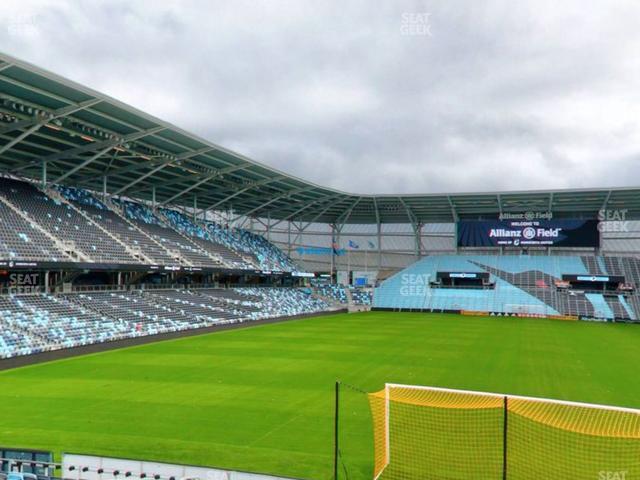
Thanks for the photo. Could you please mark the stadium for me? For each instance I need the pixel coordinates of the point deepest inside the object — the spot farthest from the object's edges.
(172, 309)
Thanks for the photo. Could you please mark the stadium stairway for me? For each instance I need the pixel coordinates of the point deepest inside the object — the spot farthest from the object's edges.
(227, 250)
(51, 246)
(137, 256)
(617, 307)
(600, 305)
(354, 303)
(75, 231)
(110, 217)
(196, 235)
(602, 266)
(629, 310)
(148, 221)
(614, 265)
(592, 265)
(156, 249)
(334, 294)
(165, 254)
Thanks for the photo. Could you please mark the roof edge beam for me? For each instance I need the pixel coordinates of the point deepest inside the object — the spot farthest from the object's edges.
(413, 219)
(60, 112)
(20, 137)
(188, 189)
(261, 183)
(274, 199)
(342, 219)
(74, 152)
(454, 212)
(81, 165)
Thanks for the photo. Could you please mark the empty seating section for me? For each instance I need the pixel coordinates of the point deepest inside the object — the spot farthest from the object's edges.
(616, 307)
(193, 306)
(631, 269)
(64, 222)
(226, 295)
(77, 220)
(35, 323)
(237, 247)
(268, 255)
(117, 225)
(344, 295)
(20, 240)
(631, 311)
(225, 236)
(148, 222)
(204, 240)
(333, 292)
(15, 342)
(592, 265)
(144, 313)
(570, 303)
(80, 197)
(233, 303)
(613, 265)
(46, 322)
(600, 307)
(532, 268)
(278, 302)
(48, 226)
(518, 284)
(601, 264)
(361, 296)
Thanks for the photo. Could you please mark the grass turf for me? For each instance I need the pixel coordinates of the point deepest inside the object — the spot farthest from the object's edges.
(261, 398)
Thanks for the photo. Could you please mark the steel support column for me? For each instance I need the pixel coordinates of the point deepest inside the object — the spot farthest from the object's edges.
(417, 229)
(379, 246)
(195, 207)
(269, 226)
(44, 174)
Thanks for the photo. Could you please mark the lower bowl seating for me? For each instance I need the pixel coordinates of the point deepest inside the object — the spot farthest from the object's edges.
(36, 323)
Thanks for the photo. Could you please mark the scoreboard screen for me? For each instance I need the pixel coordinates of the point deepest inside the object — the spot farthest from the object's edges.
(524, 233)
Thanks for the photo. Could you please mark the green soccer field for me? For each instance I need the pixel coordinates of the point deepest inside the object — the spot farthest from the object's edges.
(261, 398)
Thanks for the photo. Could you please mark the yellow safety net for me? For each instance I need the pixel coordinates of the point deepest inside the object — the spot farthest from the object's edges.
(427, 433)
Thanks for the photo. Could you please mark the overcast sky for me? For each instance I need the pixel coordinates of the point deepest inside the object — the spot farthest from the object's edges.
(368, 97)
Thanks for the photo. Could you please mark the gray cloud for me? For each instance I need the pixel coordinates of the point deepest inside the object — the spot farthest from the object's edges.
(496, 96)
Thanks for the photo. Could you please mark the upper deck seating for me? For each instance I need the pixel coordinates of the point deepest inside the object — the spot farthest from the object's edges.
(65, 223)
(20, 240)
(148, 222)
(204, 240)
(115, 224)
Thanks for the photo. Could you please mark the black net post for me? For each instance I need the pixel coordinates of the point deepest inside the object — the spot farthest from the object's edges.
(504, 437)
(336, 419)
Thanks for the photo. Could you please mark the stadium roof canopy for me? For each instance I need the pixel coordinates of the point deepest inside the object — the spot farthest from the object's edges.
(83, 138)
